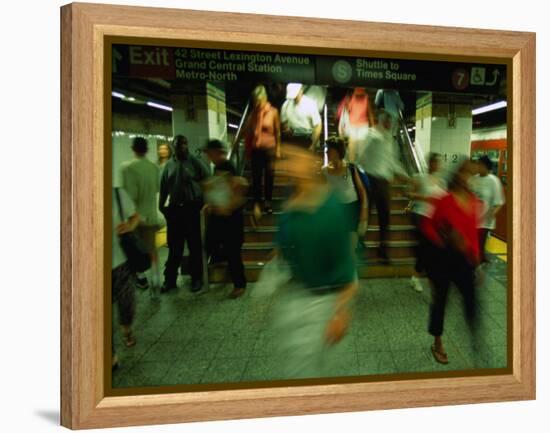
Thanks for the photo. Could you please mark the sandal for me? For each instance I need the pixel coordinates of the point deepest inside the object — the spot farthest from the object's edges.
(236, 293)
(440, 357)
(129, 339)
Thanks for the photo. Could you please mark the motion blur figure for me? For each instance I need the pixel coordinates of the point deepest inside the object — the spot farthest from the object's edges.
(453, 253)
(489, 189)
(390, 101)
(355, 118)
(426, 187)
(344, 180)
(140, 179)
(300, 118)
(123, 279)
(225, 197)
(380, 161)
(262, 131)
(164, 153)
(313, 312)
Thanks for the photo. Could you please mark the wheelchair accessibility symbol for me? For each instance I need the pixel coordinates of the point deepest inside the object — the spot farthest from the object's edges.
(477, 76)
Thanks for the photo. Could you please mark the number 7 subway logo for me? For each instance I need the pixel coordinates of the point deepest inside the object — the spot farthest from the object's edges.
(460, 79)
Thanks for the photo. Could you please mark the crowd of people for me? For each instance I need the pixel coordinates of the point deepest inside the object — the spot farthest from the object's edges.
(324, 216)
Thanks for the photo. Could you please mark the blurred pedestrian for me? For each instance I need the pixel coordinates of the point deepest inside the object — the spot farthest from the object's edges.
(355, 120)
(489, 189)
(300, 118)
(124, 220)
(181, 201)
(224, 195)
(313, 313)
(453, 253)
(390, 102)
(164, 153)
(262, 132)
(426, 187)
(140, 179)
(380, 161)
(345, 181)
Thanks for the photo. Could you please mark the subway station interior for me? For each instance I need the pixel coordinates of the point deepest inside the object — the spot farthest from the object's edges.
(184, 337)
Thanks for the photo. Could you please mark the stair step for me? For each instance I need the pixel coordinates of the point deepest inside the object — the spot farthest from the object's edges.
(397, 249)
(265, 221)
(397, 217)
(371, 269)
(261, 234)
(395, 233)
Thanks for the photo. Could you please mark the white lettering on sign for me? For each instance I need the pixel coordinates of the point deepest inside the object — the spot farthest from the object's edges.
(400, 76)
(149, 56)
(495, 78)
(117, 57)
(291, 60)
(460, 78)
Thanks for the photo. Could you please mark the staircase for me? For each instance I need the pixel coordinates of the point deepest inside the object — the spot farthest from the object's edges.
(258, 242)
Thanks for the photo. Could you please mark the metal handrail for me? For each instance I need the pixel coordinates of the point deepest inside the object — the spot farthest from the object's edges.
(415, 151)
(235, 151)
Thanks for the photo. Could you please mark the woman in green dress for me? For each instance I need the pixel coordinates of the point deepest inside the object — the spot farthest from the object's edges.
(313, 312)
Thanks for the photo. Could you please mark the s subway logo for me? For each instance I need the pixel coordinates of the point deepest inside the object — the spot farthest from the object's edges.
(342, 71)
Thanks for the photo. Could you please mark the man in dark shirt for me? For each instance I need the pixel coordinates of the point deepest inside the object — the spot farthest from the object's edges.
(180, 201)
(224, 194)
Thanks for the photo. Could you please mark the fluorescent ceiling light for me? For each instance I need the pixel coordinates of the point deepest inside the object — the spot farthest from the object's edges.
(159, 106)
(118, 95)
(131, 98)
(232, 125)
(490, 107)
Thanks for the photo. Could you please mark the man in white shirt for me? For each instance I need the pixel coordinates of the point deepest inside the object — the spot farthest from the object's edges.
(380, 161)
(140, 179)
(489, 189)
(300, 118)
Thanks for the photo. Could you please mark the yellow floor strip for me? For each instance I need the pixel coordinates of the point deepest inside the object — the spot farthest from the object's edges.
(497, 247)
(160, 239)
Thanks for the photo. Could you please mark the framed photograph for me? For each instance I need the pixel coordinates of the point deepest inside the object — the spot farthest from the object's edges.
(266, 216)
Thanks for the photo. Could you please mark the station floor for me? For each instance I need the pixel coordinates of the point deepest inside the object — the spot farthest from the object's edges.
(207, 338)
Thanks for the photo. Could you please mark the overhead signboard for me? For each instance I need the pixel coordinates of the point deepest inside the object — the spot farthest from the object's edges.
(196, 64)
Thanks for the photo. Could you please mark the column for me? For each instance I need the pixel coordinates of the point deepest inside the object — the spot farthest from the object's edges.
(199, 113)
(444, 125)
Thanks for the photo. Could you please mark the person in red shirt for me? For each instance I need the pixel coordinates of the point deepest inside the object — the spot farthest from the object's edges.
(454, 252)
(262, 132)
(354, 119)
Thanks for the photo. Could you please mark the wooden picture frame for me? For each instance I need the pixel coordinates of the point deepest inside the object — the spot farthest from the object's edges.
(84, 28)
